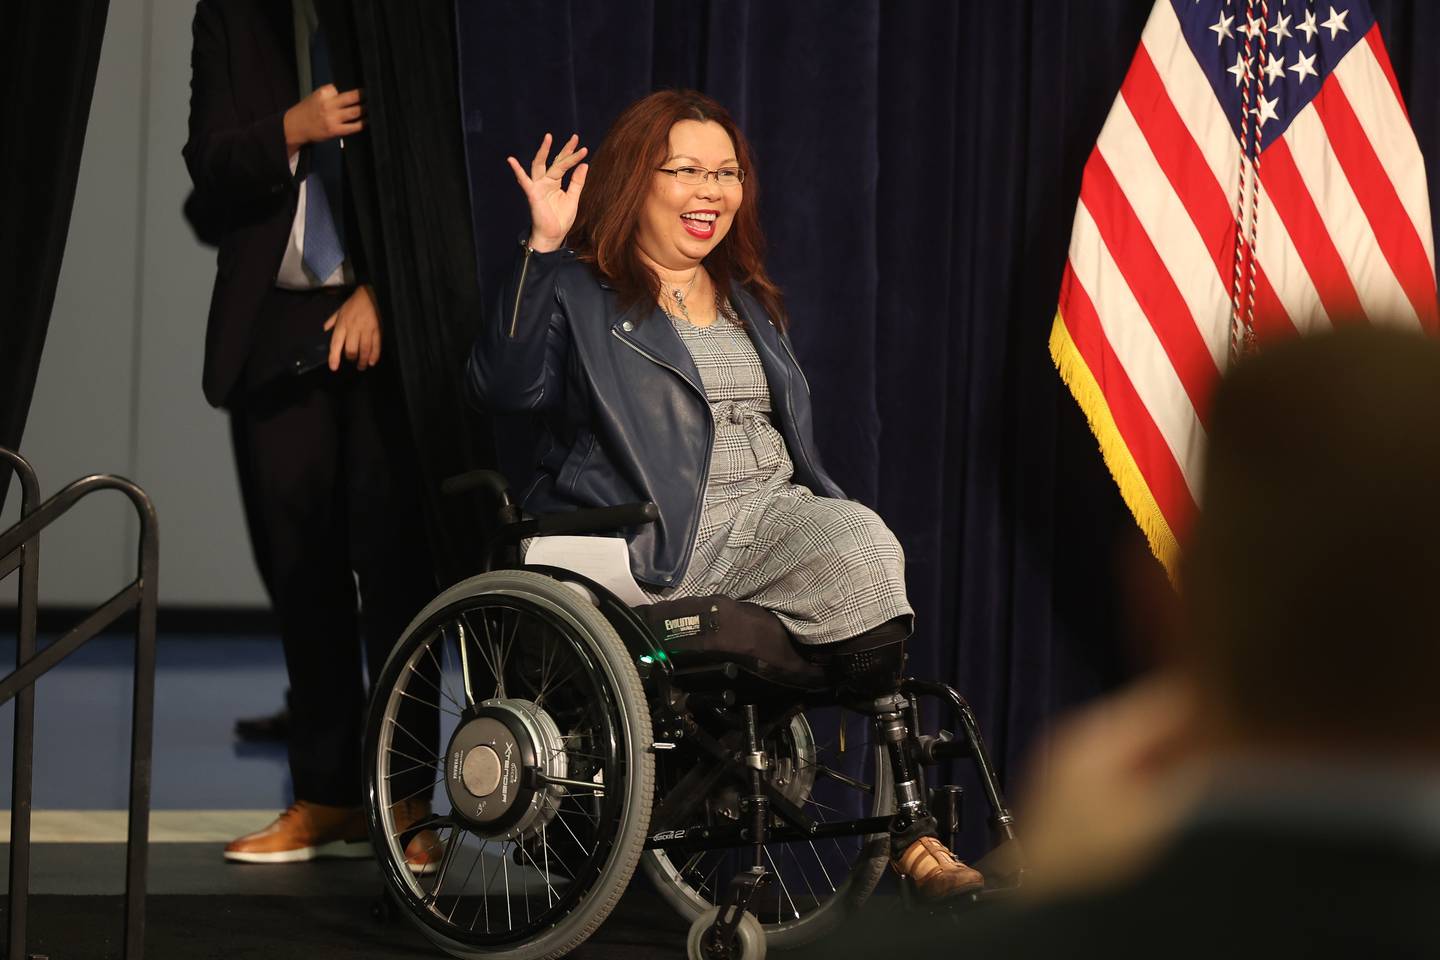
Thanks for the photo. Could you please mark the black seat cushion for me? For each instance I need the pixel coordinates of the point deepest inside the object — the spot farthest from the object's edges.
(695, 631)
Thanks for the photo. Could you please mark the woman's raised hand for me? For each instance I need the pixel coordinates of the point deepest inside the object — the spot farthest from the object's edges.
(552, 208)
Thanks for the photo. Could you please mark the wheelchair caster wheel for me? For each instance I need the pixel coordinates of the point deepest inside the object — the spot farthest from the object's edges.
(749, 943)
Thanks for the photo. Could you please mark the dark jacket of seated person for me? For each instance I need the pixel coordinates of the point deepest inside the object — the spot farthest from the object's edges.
(627, 418)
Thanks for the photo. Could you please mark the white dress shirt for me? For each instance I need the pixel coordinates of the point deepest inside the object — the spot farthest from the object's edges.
(294, 275)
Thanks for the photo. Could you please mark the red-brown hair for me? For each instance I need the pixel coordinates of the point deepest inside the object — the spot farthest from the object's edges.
(620, 180)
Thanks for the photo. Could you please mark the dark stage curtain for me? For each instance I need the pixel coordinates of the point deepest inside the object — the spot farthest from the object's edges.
(49, 66)
(408, 178)
(920, 165)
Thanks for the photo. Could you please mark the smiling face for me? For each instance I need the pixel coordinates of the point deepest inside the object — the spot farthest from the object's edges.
(683, 222)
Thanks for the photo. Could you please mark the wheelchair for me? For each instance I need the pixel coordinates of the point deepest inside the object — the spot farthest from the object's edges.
(579, 742)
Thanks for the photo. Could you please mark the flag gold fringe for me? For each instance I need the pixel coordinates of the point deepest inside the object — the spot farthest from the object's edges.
(1133, 488)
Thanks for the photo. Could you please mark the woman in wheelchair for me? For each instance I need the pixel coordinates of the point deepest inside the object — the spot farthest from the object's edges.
(656, 343)
(702, 735)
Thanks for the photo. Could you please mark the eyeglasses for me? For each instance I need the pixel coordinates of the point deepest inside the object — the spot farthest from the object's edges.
(725, 177)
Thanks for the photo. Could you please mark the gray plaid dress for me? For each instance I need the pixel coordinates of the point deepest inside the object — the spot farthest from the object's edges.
(830, 569)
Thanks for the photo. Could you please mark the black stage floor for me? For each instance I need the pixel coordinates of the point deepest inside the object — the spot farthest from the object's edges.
(200, 908)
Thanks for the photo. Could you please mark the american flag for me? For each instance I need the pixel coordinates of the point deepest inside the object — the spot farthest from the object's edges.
(1257, 176)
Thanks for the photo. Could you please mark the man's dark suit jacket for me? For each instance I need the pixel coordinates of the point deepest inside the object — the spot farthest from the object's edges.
(243, 79)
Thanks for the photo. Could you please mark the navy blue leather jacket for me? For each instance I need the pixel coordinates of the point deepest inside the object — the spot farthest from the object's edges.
(625, 410)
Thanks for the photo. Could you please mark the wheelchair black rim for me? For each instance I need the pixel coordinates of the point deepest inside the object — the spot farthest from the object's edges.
(491, 891)
(807, 875)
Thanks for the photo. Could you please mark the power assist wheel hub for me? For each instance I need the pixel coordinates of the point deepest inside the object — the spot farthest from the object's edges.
(486, 764)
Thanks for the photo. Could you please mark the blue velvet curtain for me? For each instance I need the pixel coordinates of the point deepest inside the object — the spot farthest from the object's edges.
(920, 164)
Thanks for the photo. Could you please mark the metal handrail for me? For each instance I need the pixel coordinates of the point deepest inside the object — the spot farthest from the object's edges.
(20, 549)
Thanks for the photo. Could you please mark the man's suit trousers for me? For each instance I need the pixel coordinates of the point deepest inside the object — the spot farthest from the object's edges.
(328, 473)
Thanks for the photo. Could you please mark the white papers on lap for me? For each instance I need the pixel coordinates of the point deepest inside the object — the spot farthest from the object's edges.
(603, 559)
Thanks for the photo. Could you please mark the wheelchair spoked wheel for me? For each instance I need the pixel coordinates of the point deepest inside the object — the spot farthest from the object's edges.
(815, 884)
(540, 774)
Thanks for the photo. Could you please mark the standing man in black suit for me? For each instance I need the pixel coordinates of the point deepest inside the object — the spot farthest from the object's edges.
(293, 350)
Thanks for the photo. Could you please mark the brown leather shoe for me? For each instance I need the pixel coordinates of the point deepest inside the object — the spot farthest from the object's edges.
(304, 832)
(936, 872)
(424, 851)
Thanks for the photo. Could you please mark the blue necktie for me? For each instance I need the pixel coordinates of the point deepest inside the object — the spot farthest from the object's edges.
(324, 225)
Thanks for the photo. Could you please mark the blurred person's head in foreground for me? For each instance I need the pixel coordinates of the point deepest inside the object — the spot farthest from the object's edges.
(1273, 789)
(1308, 644)
(1309, 582)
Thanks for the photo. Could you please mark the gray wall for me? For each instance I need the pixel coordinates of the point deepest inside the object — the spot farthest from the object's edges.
(119, 384)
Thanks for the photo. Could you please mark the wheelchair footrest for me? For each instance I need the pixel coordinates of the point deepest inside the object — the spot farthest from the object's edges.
(938, 908)
(1004, 865)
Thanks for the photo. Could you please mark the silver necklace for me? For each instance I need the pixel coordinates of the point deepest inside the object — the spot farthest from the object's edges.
(679, 296)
